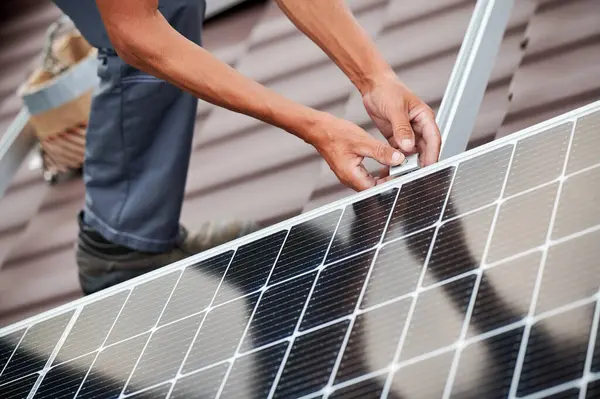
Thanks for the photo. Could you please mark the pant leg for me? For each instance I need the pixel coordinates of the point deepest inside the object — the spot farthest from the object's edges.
(138, 144)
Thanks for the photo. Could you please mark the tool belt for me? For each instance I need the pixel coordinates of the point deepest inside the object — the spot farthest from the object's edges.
(58, 97)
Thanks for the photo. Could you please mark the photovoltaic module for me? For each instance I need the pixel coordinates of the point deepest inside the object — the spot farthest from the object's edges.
(477, 277)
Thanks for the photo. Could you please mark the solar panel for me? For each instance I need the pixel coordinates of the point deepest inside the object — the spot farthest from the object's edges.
(477, 277)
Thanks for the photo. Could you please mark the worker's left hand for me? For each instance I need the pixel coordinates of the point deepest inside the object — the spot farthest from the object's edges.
(404, 119)
(344, 146)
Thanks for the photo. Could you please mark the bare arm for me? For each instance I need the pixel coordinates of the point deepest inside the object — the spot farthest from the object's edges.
(406, 121)
(144, 39)
(331, 25)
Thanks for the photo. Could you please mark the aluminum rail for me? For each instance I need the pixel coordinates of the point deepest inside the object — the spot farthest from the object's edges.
(472, 70)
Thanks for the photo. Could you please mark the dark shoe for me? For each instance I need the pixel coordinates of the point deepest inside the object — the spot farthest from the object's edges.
(103, 264)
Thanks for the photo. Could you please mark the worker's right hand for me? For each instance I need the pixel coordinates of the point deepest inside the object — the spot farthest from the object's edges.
(344, 146)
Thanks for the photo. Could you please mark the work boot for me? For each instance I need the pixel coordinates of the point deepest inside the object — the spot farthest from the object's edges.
(103, 264)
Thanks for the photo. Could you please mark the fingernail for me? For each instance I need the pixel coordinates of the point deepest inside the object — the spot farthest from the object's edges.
(407, 144)
(396, 157)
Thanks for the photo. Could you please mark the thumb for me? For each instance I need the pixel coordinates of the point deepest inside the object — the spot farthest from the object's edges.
(403, 133)
(382, 152)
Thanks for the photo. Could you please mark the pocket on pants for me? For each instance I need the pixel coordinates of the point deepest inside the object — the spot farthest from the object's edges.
(146, 101)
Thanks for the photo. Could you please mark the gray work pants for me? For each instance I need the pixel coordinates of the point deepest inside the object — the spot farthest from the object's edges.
(139, 137)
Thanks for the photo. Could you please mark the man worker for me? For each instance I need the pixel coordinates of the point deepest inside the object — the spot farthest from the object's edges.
(152, 71)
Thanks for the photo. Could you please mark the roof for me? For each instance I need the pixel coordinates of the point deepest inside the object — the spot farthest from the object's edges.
(544, 69)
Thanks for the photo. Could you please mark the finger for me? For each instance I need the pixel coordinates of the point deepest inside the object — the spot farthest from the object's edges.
(382, 152)
(403, 132)
(382, 180)
(433, 140)
(361, 179)
(385, 172)
(421, 148)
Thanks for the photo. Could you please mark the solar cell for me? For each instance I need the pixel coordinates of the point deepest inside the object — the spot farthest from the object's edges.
(200, 385)
(252, 375)
(538, 159)
(419, 203)
(547, 363)
(477, 277)
(337, 290)
(517, 276)
(562, 285)
(397, 268)
(579, 204)
(18, 389)
(459, 245)
(478, 181)
(593, 390)
(63, 380)
(424, 378)
(163, 354)
(250, 267)
(196, 287)
(91, 327)
(8, 344)
(486, 367)
(220, 334)
(35, 348)
(305, 247)
(380, 330)
(361, 225)
(572, 393)
(434, 324)
(586, 141)
(370, 388)
(111, 369)
(143, 308)
(278, 312)
(522, 223)
(310, 362)
(159, 392)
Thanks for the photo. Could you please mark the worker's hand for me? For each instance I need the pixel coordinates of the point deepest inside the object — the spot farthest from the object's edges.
(344, 145)
(404, 120)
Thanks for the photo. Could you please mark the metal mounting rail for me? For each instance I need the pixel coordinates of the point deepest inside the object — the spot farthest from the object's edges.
(472, 70)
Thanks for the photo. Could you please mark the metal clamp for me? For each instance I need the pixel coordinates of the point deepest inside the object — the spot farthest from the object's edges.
(410, 164)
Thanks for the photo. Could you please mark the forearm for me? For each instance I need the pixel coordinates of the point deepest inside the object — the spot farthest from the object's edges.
(150, 44)
(331, 25)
